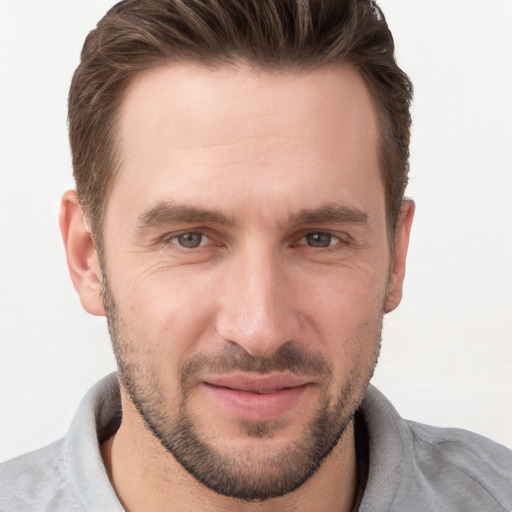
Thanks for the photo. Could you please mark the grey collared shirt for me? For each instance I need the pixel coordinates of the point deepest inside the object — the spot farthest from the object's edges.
(412, 467)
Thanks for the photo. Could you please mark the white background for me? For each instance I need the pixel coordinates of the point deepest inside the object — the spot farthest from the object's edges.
(447, 352)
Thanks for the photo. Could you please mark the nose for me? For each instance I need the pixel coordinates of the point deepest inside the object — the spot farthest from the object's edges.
(257, 303)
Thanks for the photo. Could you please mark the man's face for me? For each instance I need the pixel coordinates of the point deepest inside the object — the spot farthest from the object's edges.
(247, 265)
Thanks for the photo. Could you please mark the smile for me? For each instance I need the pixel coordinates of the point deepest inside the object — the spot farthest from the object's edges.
(256, 399)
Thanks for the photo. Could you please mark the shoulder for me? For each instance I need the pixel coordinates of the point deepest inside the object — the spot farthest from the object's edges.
(424, 468)
(452, 458)
(37, 481)
(68, 475)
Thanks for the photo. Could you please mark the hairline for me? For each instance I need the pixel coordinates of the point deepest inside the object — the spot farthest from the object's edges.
(225, 61)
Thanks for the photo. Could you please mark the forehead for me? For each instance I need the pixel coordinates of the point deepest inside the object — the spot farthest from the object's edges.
(196, 104)
(234, 133)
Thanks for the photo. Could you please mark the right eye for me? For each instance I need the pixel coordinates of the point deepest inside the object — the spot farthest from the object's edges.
(190, 240)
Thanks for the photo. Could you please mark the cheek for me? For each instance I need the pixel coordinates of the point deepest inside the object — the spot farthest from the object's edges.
(156, 286)
(166, 308)
(346, 314)
(347, 296)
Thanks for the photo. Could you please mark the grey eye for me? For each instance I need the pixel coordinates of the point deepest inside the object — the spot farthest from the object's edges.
(190, 240)
(319, 239)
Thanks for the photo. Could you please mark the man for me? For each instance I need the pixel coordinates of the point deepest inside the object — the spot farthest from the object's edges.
(240, 221)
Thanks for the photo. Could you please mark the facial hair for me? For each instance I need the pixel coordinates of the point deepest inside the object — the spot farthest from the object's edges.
(237, 473)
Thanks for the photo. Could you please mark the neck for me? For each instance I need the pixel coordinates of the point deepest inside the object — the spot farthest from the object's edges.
(148, 478)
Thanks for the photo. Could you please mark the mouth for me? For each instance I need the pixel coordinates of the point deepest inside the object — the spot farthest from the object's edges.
(257, 398)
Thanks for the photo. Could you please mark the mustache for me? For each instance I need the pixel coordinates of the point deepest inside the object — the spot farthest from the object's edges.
(288, 358)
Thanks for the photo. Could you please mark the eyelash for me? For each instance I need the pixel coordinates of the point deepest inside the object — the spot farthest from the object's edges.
(330, 246)
(172, 240)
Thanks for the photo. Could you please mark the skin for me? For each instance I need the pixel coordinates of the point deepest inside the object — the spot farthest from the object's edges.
(260, 151)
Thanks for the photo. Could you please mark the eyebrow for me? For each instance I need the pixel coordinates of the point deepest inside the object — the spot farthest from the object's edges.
(169, 213)
(331, 213)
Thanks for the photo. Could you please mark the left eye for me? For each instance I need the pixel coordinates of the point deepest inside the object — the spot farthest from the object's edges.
(190, 240)
(319, 239)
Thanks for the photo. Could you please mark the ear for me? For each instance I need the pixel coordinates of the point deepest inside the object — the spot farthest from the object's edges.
(83, 262)
(397, 274)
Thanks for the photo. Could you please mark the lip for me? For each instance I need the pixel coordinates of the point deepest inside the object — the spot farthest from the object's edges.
(257, 398)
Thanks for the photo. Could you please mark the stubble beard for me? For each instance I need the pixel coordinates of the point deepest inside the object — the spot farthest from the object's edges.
(238, 474)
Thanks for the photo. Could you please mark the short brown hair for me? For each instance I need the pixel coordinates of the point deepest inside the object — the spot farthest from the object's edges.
(136, 35)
